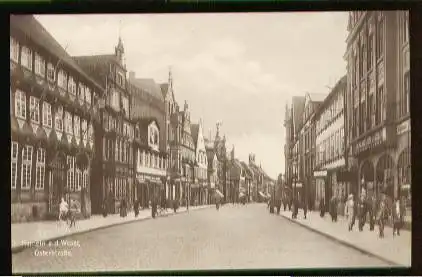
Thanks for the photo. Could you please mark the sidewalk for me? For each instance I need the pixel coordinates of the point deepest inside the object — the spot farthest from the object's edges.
(24, 234)
(395, 250)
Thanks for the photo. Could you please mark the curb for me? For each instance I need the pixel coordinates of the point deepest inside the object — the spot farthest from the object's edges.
(346, 243)
(20, 248)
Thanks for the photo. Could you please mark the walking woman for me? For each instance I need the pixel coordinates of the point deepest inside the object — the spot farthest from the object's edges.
(398, 216)
(382, 217)
(350, 211)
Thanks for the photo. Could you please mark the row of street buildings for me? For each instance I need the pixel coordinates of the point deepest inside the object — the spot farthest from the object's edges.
(85, 128)
(357, 136)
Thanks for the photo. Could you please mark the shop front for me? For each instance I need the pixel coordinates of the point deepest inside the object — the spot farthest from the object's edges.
(320, 187)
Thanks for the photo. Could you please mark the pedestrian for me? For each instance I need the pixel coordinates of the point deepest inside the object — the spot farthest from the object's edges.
(361, 209)
(350, 211)
(382, 217)
(322, 207)
(372, 207)
(136, 207)
(175, 205)
(74, 209)
(63, 210)
(398, 216)
(104, 207)
(295, 205)
(333, 208)
(305, 208)
(153, 207)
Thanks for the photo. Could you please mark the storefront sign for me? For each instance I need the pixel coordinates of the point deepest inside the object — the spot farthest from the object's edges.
(370, 141)
(320, 173)
(403, 127)
(297, 185)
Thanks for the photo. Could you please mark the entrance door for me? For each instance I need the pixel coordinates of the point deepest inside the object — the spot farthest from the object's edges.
(57, 182)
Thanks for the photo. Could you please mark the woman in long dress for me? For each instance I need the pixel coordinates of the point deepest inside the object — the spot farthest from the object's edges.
(350, 211)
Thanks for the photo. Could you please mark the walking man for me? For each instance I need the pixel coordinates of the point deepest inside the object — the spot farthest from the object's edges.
(350, 211)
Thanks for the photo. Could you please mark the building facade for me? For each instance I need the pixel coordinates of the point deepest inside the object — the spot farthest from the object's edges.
(307, 136)
(221, 152)
(115, 135)
(53, 114)
(151, 162)
(377, 102)
(201, 164)
(330, 150)
(188, 155)
(212, 174)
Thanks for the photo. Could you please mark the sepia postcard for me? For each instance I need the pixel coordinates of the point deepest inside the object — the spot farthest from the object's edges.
(173, 142)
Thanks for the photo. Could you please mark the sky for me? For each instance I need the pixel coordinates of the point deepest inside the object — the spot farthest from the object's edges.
(240, 68)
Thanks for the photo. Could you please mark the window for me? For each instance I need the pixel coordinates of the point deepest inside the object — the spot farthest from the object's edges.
(26, 57)
(361, 62)
(34, 109)
(39, 65)
(14, 151)
(72, 86)
(77, 126)
(59, 119)
(70, 173)
(62, 79)
(14, 50)
(40, 169)
(370, 111)
(90, 132)
(78, 179)
(81, 94)
(26, 167)
(378, 105)
(115, 100)
(124, 152)
(370, 51)
(116, 157)
(121, 150)
(47, 118)
(68, 122)
(51, 73)
(406, 90)
(84, 130)
(88, 96)
(380, 39)
(405, 27)
(85, 182)
(20, 104)
(120, 79)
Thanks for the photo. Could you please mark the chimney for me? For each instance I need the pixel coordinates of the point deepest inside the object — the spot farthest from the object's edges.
(131, 75)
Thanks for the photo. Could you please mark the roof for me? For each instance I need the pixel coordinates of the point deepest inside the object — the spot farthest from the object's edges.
(341, 82)
(33, 29)
(317, 97)
(298, 103)
(247, 169)
(194, 130)
(146, 121)
(149, 86)
(96, 59)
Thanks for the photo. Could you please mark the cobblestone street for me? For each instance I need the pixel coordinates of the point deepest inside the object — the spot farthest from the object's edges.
(243, 237)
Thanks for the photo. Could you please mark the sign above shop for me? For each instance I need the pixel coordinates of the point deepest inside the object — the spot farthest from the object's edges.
(320, 173)
(403, 127)
(370, 141)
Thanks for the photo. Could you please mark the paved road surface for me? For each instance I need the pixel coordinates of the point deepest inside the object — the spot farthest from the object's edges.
(243, 237)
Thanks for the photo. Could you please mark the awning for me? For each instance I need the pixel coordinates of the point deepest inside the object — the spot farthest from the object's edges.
(262, 195)
(218, 193)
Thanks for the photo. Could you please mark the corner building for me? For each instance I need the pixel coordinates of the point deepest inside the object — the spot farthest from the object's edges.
(53, 114)
(377, 101)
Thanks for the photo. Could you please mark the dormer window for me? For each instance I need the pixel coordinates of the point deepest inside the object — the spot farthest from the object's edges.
(72, 86)
(14, 50)
(88, 96)
(62, 79)
(51, 73)
(26, 57)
